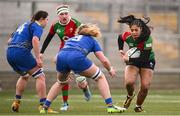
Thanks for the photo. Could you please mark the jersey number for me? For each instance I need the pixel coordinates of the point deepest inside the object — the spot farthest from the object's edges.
(20, 29)
(77, 38)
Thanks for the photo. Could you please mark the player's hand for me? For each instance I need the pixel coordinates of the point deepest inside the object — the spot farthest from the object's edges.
(122, 53)
(41, 56)
(39, 62)
(124, 56)
(112, 72)
(70, 77)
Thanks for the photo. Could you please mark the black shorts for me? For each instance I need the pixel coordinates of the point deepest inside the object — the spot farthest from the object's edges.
(149, 64)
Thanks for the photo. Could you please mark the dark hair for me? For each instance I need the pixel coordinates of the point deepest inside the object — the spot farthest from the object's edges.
(38, 15)
(131, 20)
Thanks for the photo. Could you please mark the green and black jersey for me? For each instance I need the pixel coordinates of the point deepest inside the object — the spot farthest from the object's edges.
(145, 47)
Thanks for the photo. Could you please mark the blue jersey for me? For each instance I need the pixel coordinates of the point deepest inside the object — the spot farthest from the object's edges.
(73, 55)
(87, 43)
(18, 52)
(22, 37)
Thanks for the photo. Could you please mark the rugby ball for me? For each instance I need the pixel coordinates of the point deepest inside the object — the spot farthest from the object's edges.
(133, 52)
(80, 79)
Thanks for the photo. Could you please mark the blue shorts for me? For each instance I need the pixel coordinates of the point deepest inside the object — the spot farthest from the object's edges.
(21, 60)
(70, 59)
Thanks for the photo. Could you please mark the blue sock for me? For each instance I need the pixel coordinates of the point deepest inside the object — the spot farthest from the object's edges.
(42, 100)
(109, 102)
(18, 97)
(47, 103)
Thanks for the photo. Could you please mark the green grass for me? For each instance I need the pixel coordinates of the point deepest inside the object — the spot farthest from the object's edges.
(158, 102)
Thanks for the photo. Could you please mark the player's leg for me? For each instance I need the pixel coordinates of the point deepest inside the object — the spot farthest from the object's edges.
(83, 84)
(131, 73)
(38, 74)
(95, 73)
(62, 79)
(146, 76)
(20, 87)
(14, 58)
(65, 96)
(65, 93)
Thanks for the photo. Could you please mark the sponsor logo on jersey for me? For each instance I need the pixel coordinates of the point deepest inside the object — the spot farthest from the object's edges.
(58, 31)
(71, 30)
(148, 45)
(151, 64)
(131, 44)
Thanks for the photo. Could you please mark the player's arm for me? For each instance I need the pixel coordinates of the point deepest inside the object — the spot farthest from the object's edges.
(121, 45)
(11, 36)
(46, 42)
(106, 63)
(35, 44)
(9, 40)
(103, 59)
(120, 42)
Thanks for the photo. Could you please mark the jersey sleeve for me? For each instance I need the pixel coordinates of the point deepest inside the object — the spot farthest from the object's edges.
(51, 30)
(77, 22)
(37, 31)
(96, 47)
(125, 35)
(120, 42)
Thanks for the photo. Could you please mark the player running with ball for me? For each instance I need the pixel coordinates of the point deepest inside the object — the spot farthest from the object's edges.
(139, 36)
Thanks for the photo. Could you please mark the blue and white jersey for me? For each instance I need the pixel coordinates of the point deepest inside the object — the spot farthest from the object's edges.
(73, 56)
(87, 43)
(20, 45)
(22, 37)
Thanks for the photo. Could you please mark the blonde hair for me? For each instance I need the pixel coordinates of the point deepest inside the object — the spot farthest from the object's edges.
(89, 29)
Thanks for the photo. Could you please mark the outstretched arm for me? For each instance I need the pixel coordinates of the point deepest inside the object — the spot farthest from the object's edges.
(106, 63)
(46, 42)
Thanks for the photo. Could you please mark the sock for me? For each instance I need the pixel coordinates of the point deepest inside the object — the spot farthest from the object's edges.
(65, 90)
(86, 88)
(42, 100)
(18, 97)
(138, 105)
(109, 102)
(47, 104)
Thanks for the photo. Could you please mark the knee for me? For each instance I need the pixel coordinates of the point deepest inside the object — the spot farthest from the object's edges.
(25, 77)
(63, 80)
(145, 86)
(81, 82)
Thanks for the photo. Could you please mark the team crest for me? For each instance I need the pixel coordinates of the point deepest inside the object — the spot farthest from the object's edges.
(131, 44)
(58, 31)
(71, 30)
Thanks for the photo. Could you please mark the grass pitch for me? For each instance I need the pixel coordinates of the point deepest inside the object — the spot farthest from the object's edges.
(158, 102)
